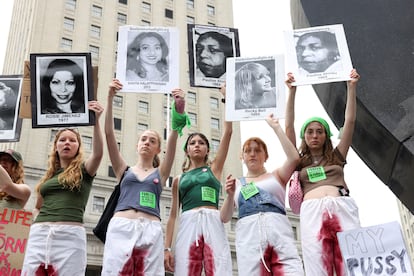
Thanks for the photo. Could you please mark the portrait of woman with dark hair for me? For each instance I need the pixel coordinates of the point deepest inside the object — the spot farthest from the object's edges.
(318, 52)
(8, 100)
(62, 88)
(147, 58)
(212, 49)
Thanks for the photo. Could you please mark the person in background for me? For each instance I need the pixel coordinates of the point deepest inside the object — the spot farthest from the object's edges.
(265, 243)
(254, 87)
(212, 49)
(147, 58)
(318, 52)
(57, 239)
(327, 207)
(134, 241)
(201, 243)
(62, 88)
(13, 192)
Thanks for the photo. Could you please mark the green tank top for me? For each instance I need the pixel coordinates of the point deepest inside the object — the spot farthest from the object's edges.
(61, 204)
(199, 187)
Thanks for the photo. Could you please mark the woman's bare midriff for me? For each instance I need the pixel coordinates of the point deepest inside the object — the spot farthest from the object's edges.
(321, 192)
(134, 214)
(61, 223)
(207, 207)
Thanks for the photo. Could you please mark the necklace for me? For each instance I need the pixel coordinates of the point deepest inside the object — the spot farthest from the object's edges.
(144, 169)
(316, 159)
(257, 175)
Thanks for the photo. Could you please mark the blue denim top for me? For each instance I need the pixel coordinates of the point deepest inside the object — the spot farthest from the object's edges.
(260, 202)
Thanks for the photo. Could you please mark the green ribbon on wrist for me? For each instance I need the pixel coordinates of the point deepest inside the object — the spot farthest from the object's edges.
(179, 121)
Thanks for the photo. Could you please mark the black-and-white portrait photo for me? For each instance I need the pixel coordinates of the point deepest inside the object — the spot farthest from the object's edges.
(10, 93)
(62, 87)
(209, 47)
(254, 88)
(146, 58)
(318, 54)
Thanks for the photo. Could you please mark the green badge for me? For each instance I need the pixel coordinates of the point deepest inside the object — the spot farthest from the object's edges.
(249, 190)
(208, 194)
(316, 174)
(147, 199)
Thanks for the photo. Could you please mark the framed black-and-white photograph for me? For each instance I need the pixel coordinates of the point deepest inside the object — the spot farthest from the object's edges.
(208, 49)
(10, 93)
(318, 54)
(148, 59)
(61, 86)
(255, 88)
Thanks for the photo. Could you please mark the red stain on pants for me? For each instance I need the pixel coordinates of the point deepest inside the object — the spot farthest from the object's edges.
(272, 261)
(201, 256)
(135, 264)
(331, 253)
(43, 271)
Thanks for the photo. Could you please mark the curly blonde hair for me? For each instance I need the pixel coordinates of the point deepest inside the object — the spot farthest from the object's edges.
(72, 176)
(17, 176)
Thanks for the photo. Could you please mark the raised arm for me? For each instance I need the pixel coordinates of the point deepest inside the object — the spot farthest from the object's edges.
(169, 232)
(226, 211)
(118, 163)
(218, 163)
(290, 109)
(92, 163)
(350, 115)
(19, 191)
(178, 106)
(284, 173)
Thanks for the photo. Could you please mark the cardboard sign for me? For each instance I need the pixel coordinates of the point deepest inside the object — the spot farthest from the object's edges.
(14, 233)
(375, 250)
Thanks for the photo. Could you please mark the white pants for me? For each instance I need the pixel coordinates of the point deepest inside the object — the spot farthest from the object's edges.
(133, 247)
(202, 243)
(320, 220)
(265, 246)
(55, 250)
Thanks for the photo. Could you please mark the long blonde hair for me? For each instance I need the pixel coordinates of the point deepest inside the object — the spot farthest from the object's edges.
(71, 177)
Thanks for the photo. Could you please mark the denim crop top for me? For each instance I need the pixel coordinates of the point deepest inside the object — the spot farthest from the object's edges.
(141, 195)
(199, 187)
(266, 195)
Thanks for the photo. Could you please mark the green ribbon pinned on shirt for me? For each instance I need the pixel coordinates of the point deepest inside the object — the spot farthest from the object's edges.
(179, 121)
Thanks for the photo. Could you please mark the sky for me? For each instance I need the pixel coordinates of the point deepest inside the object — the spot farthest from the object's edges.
(261, 29)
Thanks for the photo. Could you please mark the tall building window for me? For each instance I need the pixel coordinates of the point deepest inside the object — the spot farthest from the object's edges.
(190, 20)
(190, 4)
(123, 2)
(53, 133)
(215, 145)
(117, 124)
(96, 11)
(169, 13)
(215, 123)
(192, 97)
(95, 31)
(70, 4)
(211, 11)
(111, 172)
(214, 103)
(68, 23)
(145, 23)
(66, 43)
(87, 142)
(94, 51)
(193, 118)
(143, 107)
(122, 18)
(146, 7)
(98, 204)
(142, 127)
(118, 101)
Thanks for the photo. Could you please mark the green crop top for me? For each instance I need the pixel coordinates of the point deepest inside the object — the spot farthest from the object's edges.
(199, 187)
(62, 204)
